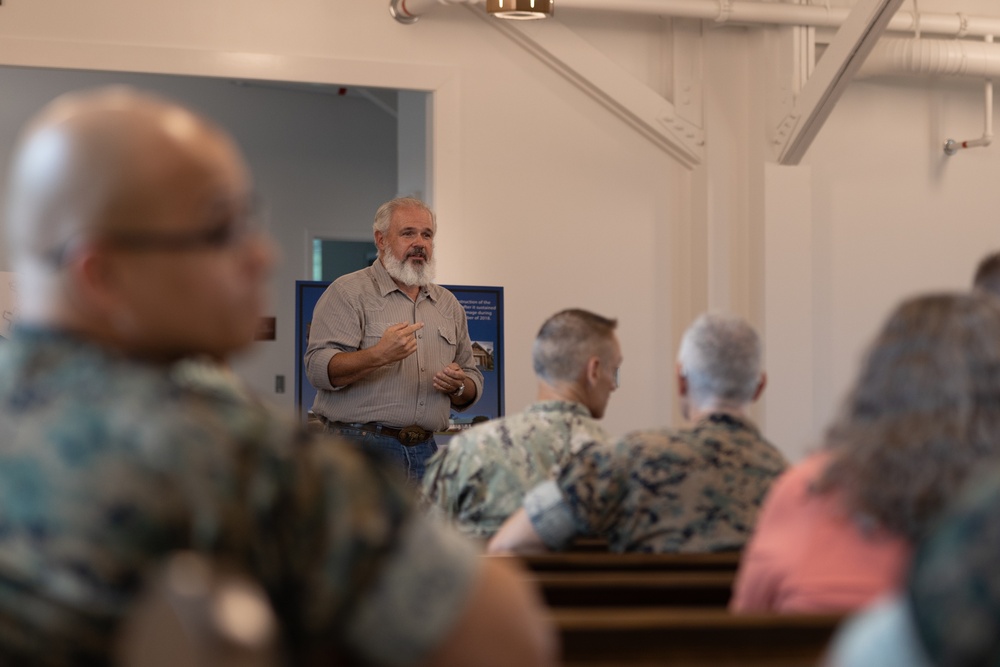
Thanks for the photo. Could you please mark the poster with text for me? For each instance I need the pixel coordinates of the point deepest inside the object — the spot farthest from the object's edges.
(484, 312)
(307, 293)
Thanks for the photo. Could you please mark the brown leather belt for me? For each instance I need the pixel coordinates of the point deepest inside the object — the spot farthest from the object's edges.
(409, 436)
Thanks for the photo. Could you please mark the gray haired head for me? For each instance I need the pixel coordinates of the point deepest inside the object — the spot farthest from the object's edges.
(924, 413)
(987, 275)
(567, 340)
(383, 216)
(720, 356)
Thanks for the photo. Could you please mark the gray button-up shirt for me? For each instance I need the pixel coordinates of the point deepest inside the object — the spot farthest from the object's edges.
(352, 315)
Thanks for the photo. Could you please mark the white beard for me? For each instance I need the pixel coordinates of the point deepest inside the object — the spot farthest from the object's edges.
(407, 272)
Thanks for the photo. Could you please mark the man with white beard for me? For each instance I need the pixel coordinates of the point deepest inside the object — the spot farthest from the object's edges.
(389, 351)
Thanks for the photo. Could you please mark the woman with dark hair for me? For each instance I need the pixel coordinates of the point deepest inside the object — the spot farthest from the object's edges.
(837, 530)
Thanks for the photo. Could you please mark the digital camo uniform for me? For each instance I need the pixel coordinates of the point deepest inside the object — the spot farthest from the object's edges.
(107, 464)
(693, 490)
(481, 477)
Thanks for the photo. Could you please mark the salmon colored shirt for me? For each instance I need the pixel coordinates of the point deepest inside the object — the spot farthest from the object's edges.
(807, 555)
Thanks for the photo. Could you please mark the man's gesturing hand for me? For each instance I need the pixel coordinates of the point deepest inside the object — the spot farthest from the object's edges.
(399, 341)
(449, 379)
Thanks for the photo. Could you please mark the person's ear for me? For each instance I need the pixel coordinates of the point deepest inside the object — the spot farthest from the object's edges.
(379, 238)
(593, 370)
(760, 386)
(95, 280)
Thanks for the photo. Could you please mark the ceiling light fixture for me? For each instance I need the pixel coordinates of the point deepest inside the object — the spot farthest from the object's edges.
(519, 9)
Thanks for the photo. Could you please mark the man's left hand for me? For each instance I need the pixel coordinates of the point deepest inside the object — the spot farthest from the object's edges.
(449, 379)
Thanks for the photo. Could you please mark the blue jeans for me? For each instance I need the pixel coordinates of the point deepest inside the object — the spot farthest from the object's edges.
(411, 460)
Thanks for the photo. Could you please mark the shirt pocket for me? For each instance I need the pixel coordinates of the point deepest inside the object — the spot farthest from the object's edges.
(373, 333)
(447, 342)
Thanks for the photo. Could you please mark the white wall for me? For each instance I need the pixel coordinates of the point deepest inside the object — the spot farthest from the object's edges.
(542, 190)
(892, 214)
(413, 155)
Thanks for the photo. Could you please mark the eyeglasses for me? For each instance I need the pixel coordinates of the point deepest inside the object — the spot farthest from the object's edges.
(230, 229)
(221, 235)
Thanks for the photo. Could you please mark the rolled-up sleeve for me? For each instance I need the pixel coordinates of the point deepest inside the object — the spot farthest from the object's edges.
(369, 571)
(550, 515)
(336, 327)
(586, 495)
(419, 596)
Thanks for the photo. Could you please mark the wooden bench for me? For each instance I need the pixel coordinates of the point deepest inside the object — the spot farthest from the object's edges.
(690, 638)
(635, 588)
(605, 562)
(589, 545)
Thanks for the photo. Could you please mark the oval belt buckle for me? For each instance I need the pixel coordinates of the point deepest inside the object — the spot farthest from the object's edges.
(412, 435)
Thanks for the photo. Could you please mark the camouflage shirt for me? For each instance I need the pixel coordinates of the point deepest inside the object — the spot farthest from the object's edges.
(107, 464)
(481, 477)
(692, 490)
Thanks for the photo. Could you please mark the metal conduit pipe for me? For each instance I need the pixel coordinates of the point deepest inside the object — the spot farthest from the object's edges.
(951, 146)
(777, 13)
(948, 57)
(922, 57)
(408, 11)
(745, 12)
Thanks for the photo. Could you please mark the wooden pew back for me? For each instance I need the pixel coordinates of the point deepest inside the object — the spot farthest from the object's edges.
(690, 638)
(635, 588)
(593, 562)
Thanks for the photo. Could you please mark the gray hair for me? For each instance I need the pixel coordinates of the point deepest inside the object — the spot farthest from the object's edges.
(383, 216)
(988, 274)
(720, 356)
(924, 412)
(567, 340)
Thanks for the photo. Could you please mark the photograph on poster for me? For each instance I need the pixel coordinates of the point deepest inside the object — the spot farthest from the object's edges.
(482, 350)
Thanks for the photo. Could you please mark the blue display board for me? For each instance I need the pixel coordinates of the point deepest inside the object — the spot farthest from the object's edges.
(307, 294)
(484, 311)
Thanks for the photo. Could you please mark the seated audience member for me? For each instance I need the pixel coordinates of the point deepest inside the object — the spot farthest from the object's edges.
(987, 275)
(481, 477)
(949, 611)
(953, 587)
(129, 228)
(837, 530)
(692, 490)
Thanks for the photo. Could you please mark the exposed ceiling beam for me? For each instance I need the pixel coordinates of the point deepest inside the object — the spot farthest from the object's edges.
(606, 82)
(845, 55)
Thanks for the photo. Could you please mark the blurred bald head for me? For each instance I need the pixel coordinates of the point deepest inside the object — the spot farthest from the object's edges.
(116, 199)
(96, 161)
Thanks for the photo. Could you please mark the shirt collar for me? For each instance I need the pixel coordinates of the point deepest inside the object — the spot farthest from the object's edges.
(727, 420)
(560, 406)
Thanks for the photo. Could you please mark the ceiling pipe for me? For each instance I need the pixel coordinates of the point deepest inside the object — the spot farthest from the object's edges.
(745, 12)
(951, 146)
(940, 57)
(948, 57)
(408, 11)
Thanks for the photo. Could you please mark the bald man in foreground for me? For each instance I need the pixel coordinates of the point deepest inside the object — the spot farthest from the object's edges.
(130, 229)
